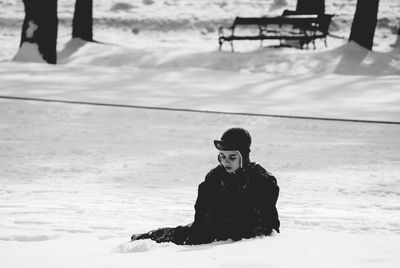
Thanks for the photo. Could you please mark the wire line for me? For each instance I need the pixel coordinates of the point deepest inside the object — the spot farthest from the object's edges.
(198, 111)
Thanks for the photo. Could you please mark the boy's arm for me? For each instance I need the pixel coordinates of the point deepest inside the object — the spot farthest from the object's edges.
(201, 229)
(266, 197)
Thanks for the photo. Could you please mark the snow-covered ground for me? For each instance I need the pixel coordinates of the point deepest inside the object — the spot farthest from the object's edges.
(78, 179)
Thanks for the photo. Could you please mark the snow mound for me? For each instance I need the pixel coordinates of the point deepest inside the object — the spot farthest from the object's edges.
(278, 4)
(122, 7)
(349, 59)
(140, 246)
(243, 263)
(29, 238)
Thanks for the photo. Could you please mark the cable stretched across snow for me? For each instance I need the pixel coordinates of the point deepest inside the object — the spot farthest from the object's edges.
(198, 111)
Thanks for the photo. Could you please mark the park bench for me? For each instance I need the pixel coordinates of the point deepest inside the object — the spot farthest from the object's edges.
(303, 28)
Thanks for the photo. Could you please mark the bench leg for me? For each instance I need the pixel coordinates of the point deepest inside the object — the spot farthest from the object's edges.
(301, 43)
(232, 46)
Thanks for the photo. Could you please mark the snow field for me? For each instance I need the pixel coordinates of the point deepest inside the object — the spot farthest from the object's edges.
(102, 177)
(77, 180)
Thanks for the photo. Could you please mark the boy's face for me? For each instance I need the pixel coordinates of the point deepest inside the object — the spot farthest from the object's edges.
(230, 160)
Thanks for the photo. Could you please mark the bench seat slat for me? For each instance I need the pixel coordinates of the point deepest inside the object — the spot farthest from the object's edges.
(271, 37)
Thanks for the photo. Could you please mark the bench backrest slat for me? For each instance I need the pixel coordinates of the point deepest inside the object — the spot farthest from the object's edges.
(322, 21)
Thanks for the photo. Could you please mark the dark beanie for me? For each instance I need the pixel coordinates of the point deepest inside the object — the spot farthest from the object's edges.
(235, 139)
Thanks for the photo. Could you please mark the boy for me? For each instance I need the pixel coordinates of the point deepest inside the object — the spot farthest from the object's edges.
(236, 200)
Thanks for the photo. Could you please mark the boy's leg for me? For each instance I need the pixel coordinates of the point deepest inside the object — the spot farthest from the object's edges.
(153, 235)
(177, 235)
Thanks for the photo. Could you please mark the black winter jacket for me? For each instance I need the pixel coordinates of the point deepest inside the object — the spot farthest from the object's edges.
(240, 205)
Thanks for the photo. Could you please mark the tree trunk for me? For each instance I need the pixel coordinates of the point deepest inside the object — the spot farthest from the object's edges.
(364, 23)
(311, 6)
(40, 28)
(397, 43)
(82, 25)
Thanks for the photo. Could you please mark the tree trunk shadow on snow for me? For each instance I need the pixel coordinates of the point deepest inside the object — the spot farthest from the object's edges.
(357, 60)
(396, 45)
(351, 59)
(73, 45)
(70, 48)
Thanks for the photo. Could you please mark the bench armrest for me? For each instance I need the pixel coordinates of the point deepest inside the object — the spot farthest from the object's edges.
(223, 31)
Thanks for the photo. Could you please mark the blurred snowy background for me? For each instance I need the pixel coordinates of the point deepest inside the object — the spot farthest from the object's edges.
(175, 23)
